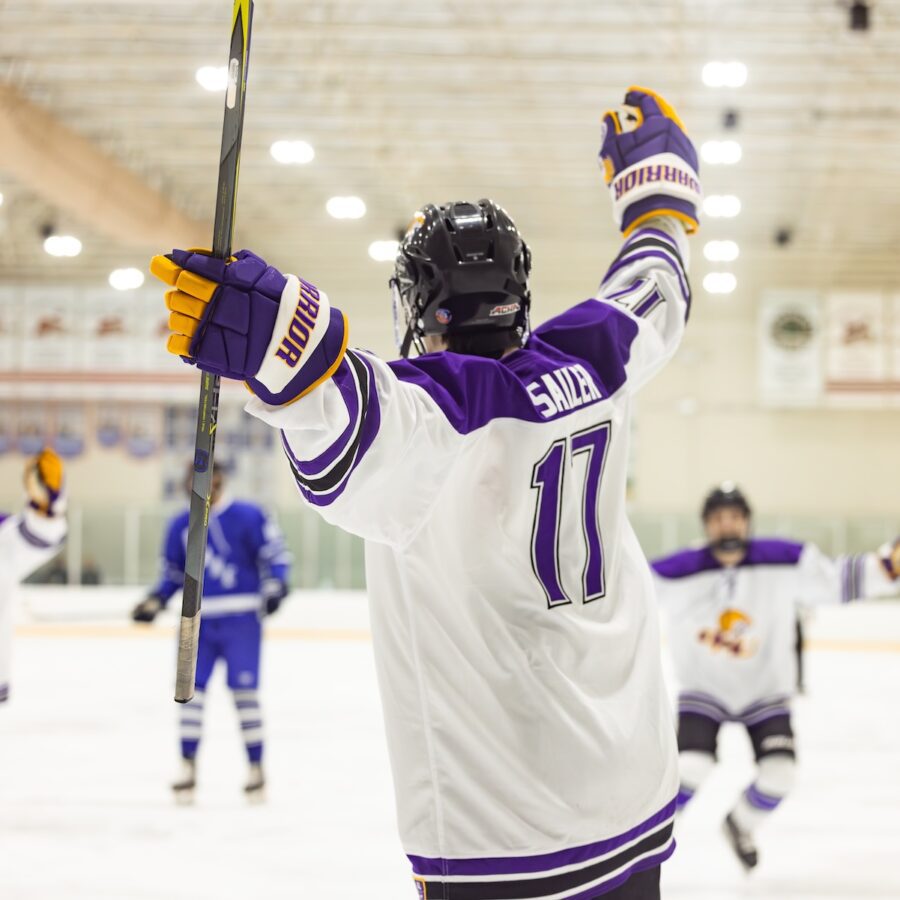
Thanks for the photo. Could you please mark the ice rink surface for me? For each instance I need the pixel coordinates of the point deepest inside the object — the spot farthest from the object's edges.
(88, 747)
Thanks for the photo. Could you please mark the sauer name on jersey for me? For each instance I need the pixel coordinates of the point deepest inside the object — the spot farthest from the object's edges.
(563, 389)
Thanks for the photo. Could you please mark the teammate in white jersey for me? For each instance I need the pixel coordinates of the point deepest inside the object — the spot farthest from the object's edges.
(513, 623)
(731, 611)
(27, 541)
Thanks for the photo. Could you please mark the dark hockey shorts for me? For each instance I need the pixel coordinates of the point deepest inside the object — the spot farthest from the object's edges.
(771, 736)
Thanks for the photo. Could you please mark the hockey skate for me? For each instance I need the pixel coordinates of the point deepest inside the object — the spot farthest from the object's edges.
(186, 783)
(255, 788)
(741, 842)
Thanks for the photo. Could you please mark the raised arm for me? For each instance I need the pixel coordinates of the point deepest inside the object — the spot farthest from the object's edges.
(859, 576)
(34, 536)
(635, 323)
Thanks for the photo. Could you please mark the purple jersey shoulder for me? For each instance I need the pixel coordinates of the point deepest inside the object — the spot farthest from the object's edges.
(772, 552)
(573, 360)
(760, 552)
(685, 563)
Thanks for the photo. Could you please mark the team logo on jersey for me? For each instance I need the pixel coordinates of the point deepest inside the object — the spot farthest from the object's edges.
(443, 316)
(302, 325)
(731, 636)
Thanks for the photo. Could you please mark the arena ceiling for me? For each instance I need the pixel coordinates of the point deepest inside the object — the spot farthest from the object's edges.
(406, 101)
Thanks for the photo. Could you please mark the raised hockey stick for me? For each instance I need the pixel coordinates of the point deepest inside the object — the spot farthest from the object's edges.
(208, 410)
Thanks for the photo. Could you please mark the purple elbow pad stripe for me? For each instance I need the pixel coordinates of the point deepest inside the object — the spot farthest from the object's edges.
(348, 382)
(313, 367)
(651, 248)
(33, 539)
(326, 488)
(756, 798)
(645, 307)
(852, 578)
(520, 865)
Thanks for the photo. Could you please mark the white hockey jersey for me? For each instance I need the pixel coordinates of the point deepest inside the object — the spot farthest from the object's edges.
(27, 541)
(731, 630)
(514, 628)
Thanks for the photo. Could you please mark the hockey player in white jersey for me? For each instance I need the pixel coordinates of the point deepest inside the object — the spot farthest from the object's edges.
(731, 610)
(29, 539)
(513, 624)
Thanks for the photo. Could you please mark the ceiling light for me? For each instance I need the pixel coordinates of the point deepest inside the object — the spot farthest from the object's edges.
(62, 245)
(719, 283)
(346, 207)
(725, 74)
(721, 153)
(721, 206)
(295, 153)
(212, 78)
(126, 279)
(721, 251)
(384, 251)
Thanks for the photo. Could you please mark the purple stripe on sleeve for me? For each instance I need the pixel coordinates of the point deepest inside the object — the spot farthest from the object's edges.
(671, 259)
(684, 797)
(325, 490)
(645, 307)
(514, 865)
(633, 288)
(32, 538)
(348, 384)
(652, 232)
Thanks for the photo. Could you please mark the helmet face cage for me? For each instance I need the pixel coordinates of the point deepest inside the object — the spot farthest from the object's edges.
(462, 268)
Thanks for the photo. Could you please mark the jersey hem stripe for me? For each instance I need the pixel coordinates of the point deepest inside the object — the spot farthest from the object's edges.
(540, 863)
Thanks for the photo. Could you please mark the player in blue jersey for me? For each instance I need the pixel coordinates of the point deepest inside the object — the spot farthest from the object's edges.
(245, 578)
(731, 607)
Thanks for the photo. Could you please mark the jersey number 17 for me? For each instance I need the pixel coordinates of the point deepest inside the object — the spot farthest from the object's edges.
(547, 479)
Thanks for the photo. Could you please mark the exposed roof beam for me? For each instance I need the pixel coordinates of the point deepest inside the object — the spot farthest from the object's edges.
(73, 174)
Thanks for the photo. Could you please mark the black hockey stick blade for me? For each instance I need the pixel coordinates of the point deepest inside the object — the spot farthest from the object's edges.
(208, 409)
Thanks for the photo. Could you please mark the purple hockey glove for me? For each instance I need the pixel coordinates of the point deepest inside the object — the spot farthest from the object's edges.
(649, 162)
(243, 319)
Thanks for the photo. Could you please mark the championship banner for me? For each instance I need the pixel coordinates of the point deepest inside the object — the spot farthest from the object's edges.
(790, 349)
(10, 330)
(857, 355)
(53, 338)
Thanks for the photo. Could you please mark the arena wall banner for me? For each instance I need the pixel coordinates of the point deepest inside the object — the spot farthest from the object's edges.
(790, 349)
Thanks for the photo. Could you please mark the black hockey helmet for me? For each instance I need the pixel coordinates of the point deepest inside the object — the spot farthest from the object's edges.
(726, 494)
(461, 268)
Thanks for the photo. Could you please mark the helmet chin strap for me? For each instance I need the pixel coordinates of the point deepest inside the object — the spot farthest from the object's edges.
(406, 343)
(729, 544)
